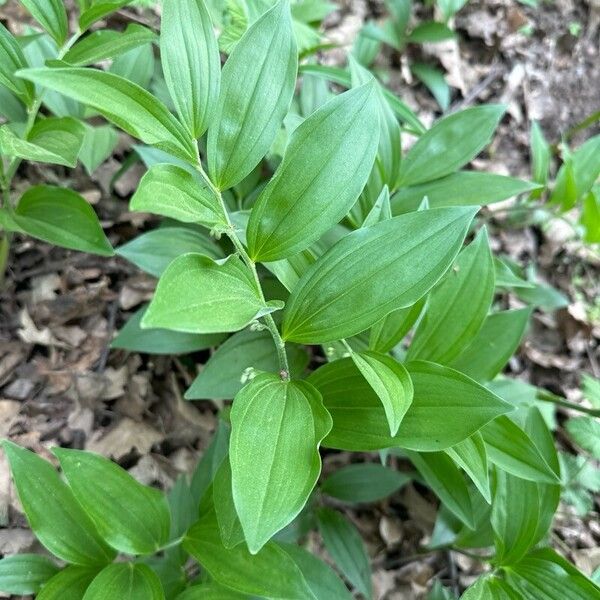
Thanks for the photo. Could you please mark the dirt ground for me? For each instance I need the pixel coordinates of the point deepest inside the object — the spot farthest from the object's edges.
(60, 383)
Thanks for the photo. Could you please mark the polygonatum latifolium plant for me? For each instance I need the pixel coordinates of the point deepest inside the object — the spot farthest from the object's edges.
(302, 244)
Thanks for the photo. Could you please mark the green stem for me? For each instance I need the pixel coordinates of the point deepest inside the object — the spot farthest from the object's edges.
(235, 240)
(347, 346)
(546, 396)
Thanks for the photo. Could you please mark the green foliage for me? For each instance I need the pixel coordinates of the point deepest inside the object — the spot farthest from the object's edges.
(291, 217)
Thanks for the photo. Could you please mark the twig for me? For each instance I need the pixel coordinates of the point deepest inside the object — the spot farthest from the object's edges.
(494, 73)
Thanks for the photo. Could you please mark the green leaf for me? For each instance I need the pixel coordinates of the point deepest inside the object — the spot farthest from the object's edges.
(62, 217)
(98, 145)
(230, 526)
(390, 381)
(457, 306)
(435, 81)
(51, 15)
(447, 408)
(161, 341)
(585, 163)
(122, 102)
(540, 154)
(199, 295)
(155, 250)
(131, 517)
(25, 573)
(126, 581)
(210, 591)
(585, 432)
(381, 210)
(348, 289)
(447, 483)
(495, 343)
(11, 60)
(590, 217)
(450, 144)
(471, 456)
(249, 116)
(106, 43)
(55, 517)
(430, 31)
(367, 482)
(388, 332)
(488, 587)
(344, 544)
(320, 163)
(51, 140)
(98, 10)
(11, 108)
(138, 66)
(510, 448)
(463, 188)
(69, 584)
(191, 62)
(171, 191)
(272, 420)
(222, 377)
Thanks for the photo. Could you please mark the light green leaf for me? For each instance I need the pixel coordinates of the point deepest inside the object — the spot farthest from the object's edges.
(321, 163)
(98, 145)
(464, 188)
(125, 581)
(210, 591)
(55, 517)
(450, 144)
(223, 376)
(171, 191)
(11, 60)
(230, 526)
(585, 162)
(447, 408)
(373, 271)
(131, 517)
(590, 217)
(457, 306)
(69, 584)
(51, 15)
(62, 217)
(430, 31)
(390, 381)
(161, 341)
(51, 140)
(106, 43)
(139, 66)
(495, 343)
(388, 332)
(190, 61)
(25, 573)
(126, 104)
(98, 10)
(471, 456)
(199, 295)
(381, 210)
(272, 420)
(367, 482)
(489, 588)
(585, 432)
(540, 154)
(248, 116)
(435, 81)
(11, 107)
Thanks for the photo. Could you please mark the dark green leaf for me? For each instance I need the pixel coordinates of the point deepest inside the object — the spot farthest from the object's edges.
(230, 526)
(125, 581)
(388, 332)
(70, 584)
(51, 15)
(11, 60)
(210, 591)
(430, 31)
(25, 573)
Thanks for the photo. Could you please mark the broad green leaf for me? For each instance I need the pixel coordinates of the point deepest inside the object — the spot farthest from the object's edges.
(161, 341)
(457, 306)
(223, 376)
(373, 271)
(98, 145)
(51, 15)
(511, 449)
(430, 31)
(471, 456)
(344, 544)
(106, 43)
(585, 432)
(447, 483)
(447, 408)
(11, 60)
(171, 191)
(489, 588)
(98, 10)
(248, 116)
(506, 277)
(126, 104)
(25, 573)
(131, 517)
(51, 140)
(62, 217)
(210, 591)
(464, 188)
(381, 210)
(585, 162)
(495, 343)
(272, 420)
(540, 154)
(55, 517)
(125, 581)
(450, 144)
(564, 191)
(11, 108)
(321, 163)
(390, 381)
(155, 250)
(69, 584)
(139, 66)
(435, 81)
(190, 61)
(199, 295)
(367, 482)
(388, 332)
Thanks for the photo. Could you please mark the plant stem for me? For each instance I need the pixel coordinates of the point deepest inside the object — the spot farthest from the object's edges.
(231, 233)
(546, 396)
(347, 346)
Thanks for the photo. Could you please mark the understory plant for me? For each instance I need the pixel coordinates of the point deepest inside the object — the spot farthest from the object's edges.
(350, 295)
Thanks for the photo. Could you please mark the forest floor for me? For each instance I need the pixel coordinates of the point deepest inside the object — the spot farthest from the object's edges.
(61, 384)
